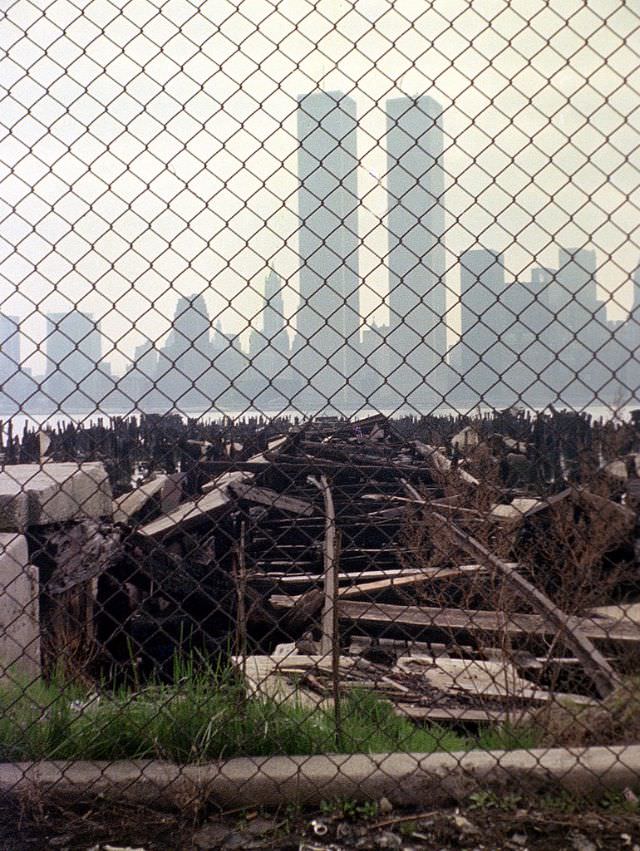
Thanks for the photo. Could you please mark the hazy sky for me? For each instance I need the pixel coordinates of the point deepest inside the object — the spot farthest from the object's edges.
(149, 148)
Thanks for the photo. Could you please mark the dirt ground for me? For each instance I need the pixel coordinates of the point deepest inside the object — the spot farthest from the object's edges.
(486, 823)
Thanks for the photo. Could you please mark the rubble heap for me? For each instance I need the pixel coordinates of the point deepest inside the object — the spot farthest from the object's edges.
(348, 555)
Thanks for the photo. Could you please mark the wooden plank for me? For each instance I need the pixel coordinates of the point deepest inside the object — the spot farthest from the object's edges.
(468, 622)
(315, 578)
(272, 499)
(165, 490)
(459, 715)
(441, 464)
(622, 613)
(311, 463)
(329, 633)
(255, 464)
(434, 574)
(428, 575)
(194, 512)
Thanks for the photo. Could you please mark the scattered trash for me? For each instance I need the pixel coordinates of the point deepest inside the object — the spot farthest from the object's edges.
(319, 827)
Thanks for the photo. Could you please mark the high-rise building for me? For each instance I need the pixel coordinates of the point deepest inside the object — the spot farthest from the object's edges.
(328, 319)
(480, 356)
(416, 338)
(139, 384)
(274, 324)
(631, 342)
(9, 346)
(12, 381)
(536, 352)
(73, 349)
(575, 292)
(579, 330)
(185, 359)
(269, 348)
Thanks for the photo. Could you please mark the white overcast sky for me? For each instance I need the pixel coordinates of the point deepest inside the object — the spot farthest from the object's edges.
(149, 147)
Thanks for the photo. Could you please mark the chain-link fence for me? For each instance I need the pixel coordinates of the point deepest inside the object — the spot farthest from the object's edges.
(319, 358)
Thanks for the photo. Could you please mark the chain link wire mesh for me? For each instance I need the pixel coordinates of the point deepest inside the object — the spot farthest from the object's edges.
(319, 358)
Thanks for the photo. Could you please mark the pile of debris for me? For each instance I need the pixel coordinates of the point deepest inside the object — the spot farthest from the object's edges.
(345, 555)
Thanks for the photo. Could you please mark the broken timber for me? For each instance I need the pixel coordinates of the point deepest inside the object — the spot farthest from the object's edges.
(471, 622)
(595, 665)
(329, 640)
(429, 574)
(194, 512)
(272, 499)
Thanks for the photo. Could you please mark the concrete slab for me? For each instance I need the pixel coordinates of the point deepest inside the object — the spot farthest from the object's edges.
(41, 494)
(19, 610)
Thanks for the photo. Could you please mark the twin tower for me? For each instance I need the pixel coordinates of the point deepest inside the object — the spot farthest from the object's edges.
(328, 349)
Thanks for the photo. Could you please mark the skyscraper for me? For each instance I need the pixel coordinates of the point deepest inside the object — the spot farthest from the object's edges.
(579, 330)
(185, 359)
(480, 356)
(631, 342)
(73, 350)
(269, 347)
(416, 224)
(9, 347)
(274, 323)
(328, 320)
(12, 381)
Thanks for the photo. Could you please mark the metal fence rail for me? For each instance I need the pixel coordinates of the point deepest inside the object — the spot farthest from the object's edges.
(320, 387)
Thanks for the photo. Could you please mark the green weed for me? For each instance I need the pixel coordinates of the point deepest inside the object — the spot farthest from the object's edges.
(204, 715)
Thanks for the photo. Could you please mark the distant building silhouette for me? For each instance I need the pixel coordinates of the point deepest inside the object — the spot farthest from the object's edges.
(578, 329)
(480, 356)
(185, 358)
(416, 336)
(139, 383)
(9, 347)
(269, 347)
(274, 325)
(328, 319)
(12, 380)
(630, 340)
(536, 350)
(73, 348)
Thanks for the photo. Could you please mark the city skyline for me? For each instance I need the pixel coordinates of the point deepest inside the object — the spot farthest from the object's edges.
(517, 351)
(125, 189)
(328, 345)
(515, 339)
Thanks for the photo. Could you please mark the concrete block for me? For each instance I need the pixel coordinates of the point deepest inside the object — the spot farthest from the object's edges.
(41, 494)
(19, 610)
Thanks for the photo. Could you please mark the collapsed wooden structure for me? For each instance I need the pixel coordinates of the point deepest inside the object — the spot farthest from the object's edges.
(346, 555)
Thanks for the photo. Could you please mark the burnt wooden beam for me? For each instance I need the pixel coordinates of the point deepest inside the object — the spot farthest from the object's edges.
(329, 640)
(272, 499)
(471, 622)
(385, 584)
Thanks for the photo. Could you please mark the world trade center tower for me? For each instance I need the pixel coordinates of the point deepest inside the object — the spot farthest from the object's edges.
(416, 339)
(328, 321)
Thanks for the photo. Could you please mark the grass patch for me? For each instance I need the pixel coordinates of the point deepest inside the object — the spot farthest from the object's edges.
(206, 716)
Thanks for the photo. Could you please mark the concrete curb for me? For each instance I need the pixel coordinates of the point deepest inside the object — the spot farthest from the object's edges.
(405, 779)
